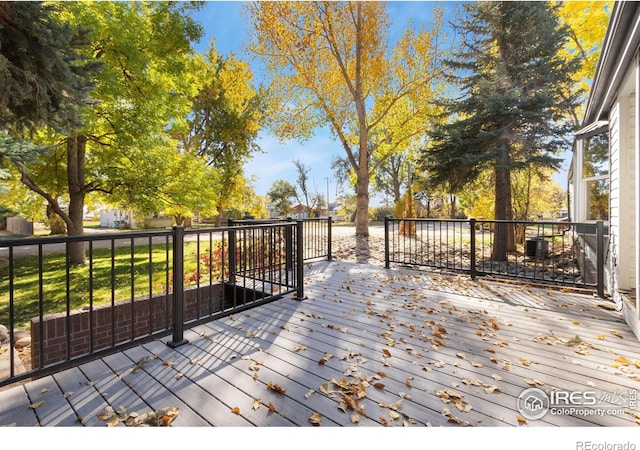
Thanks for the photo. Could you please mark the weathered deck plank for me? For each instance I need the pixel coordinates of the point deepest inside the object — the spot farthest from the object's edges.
(400, 339)
(49, 403)
(15, 408)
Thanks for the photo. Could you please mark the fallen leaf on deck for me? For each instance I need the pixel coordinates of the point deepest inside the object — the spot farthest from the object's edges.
(276, 388)
(113, 422)
(309, 394)
(271, 407)
(315, 418)
(623, 360)
(522, 420)
(106, 414)
(451, 396)
(256, 403)
(235, 410)
(355, 418)
(458, 421)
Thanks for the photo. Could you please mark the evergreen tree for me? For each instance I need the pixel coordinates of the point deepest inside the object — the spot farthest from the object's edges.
(42, 77)
(511, 112)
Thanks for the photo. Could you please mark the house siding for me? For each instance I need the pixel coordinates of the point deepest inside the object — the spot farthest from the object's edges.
(621, 256)
(628, 201)
(614, 197)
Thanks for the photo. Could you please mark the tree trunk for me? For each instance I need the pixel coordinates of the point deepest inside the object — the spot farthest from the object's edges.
(56, 223)
(76, 149)
(503, 240)
(408, 228)
(454, 206)
(362, 202)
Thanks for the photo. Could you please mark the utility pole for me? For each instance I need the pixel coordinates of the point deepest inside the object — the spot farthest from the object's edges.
(327, 196)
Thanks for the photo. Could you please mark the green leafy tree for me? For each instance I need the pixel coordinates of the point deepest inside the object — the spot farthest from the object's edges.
(141, 92)
(223, 125)
(281, 195)
(44, 79)
(512, 109)
(389, 177)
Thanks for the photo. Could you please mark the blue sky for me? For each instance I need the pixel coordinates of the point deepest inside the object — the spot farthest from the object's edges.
(224, 22)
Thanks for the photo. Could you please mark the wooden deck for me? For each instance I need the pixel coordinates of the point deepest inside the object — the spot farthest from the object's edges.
(367, 347)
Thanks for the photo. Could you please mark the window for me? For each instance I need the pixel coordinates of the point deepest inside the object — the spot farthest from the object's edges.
(595, 176)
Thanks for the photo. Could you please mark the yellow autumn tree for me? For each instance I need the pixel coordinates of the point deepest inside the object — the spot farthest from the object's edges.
(331, 64)
(587, 23)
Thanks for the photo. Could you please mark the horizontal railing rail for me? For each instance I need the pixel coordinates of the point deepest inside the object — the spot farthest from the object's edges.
(550, 252)
(134, 286)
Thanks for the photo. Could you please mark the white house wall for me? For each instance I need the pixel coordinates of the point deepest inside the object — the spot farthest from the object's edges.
(612, 259)
(621, 260)
(628, 200)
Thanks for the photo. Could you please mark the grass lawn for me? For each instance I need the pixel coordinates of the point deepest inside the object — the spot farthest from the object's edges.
(102, 279)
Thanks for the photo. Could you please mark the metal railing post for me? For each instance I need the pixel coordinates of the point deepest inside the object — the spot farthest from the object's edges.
(472, 256)
(300, 260)
(600, 257)
(329, 238)
(232, 255)
(386, 242)
(288, 247)
(178, 288)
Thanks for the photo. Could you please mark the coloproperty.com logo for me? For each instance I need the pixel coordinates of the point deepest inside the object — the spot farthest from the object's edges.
(534, 403)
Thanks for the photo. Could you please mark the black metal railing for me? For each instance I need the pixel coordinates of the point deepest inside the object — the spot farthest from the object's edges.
(550, 252)
(316, 234)
(135, 286)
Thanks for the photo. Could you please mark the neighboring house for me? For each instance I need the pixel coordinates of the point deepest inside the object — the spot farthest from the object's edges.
(604, 175)
(116, 218)
(299, 212)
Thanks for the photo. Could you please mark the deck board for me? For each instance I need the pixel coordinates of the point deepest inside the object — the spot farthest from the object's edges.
(49, 404)
(15, 408)
(398, 337)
